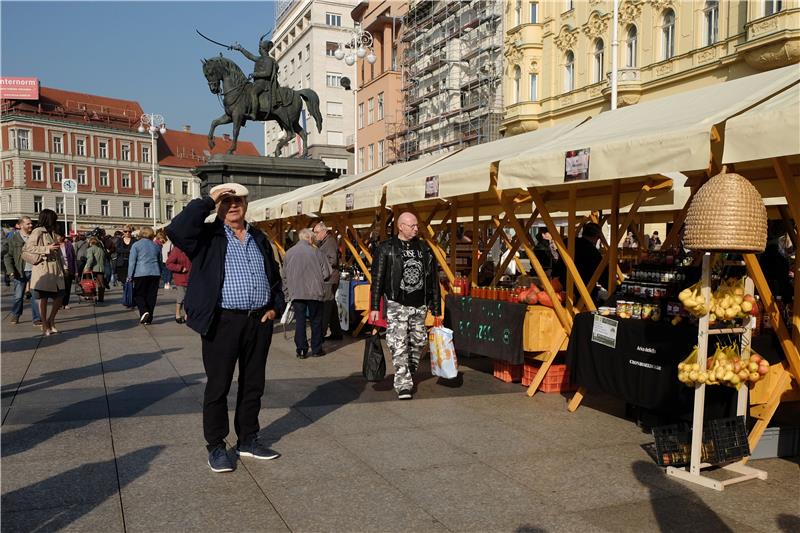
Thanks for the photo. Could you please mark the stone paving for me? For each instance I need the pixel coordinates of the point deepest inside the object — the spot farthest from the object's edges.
(101, 431)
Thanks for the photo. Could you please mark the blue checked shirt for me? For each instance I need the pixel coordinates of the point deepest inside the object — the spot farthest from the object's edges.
(245, 285)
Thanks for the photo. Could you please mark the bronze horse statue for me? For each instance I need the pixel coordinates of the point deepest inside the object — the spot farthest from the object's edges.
(226, 78)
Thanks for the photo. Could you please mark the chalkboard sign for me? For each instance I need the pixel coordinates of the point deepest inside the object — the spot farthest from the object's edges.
(486, 327)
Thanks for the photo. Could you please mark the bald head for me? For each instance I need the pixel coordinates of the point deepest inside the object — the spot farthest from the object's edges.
(407, 226)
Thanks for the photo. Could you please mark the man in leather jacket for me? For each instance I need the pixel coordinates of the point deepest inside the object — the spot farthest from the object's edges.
(404, 271)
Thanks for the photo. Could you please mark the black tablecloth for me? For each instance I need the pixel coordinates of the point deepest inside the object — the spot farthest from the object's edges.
(486, 327)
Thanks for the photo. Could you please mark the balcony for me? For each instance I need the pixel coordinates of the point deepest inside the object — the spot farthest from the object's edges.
(773, 41)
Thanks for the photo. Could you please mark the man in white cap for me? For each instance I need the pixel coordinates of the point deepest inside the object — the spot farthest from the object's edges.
(234, 295)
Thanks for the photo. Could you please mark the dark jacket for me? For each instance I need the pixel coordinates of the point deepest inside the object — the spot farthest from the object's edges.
(206, 246)
(69, 257)
(387, 272)
(123, 253)
(178, 263)
(12, 254)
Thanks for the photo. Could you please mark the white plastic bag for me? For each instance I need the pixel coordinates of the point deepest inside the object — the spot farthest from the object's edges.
(443, 354)
(288, 314)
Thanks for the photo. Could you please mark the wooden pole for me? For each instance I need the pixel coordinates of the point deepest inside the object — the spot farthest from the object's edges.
(613, 245)
(473, 272)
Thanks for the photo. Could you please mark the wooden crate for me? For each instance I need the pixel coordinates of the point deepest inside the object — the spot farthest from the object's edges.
(761, 390)
(541, 329)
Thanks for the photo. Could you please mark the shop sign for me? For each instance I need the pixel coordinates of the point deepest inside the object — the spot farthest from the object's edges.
(12, 88)
(299, 208)
(576, 165)
(432, 187)
(604, 331)
(487, 327)
(349, 201)
(267, 213)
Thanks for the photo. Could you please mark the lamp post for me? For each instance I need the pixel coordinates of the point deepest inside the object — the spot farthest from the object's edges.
(358, 47)
(153, 123)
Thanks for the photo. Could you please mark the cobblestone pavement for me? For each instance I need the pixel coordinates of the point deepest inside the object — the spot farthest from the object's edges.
(101, 431)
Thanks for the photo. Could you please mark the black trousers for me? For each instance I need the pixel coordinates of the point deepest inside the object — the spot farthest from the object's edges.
(234, 338)
(314, 310)
(330, 318)
(145, 292)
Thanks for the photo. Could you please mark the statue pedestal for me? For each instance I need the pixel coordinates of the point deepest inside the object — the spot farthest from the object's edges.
(263, 176)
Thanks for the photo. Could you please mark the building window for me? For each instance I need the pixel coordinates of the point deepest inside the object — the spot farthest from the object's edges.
(126, 209)
(104, 178)
(361, 158)
(517, 77)
(668, 34)
(598, 60)
(380, 106)
(170, 210)
(371, 157)
(335, 138)
(125, 152)
(147, 182)
(80, 146)
(126, 180)
(361, 115)
(58, 144)
(533, 96)
(168, 186)
(772, 6)
(58, 174)
(37, 204)
(534, 12)
(381, 154)
(20, 139)
(60, 205)
(102, 149)
(185, 188)
(333, 19)
(82, 208)
(308, 52)
(330, 48)
(569, 71)
(518, 13)
(569, 5)
(103, 208)
(335, 109)
(333, 79)
(145, 154)
(147, 213)
(630, 48)
(711, 22)
(81, 175)
(36, 173)
(370, 110)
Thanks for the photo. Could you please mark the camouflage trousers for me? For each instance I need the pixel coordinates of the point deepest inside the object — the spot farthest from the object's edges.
(406, 337)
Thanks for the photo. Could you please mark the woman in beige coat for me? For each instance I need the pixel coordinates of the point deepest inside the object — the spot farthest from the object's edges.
(47, 277)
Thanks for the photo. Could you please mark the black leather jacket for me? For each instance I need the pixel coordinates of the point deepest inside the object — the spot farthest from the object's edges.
(387, 272)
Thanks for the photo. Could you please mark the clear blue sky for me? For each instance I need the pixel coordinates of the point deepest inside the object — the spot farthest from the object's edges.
(143, 51)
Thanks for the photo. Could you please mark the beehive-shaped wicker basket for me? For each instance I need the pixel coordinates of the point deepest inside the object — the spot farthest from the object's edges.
(727, 214)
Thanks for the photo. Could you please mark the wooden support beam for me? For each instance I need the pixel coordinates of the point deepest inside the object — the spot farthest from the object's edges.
(788, 222)
(550, 356)
(789, 185)
(454, 236)
(516, 244)
(768, 410)
(473, 272)
(427, 233)
(613, 246)
(571, 236)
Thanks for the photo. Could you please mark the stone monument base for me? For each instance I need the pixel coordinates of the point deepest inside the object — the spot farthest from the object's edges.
(263, 176)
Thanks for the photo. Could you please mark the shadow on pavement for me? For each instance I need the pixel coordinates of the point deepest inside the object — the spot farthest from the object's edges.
(40, 507)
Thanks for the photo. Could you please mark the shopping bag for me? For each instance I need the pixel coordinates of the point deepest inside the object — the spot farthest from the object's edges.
(374, 366)
(127, 294)
(381, 322)
(288, 314)
(443, 354)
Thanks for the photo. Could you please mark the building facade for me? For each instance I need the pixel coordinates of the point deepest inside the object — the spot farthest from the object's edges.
(558, 53)
(307, 33)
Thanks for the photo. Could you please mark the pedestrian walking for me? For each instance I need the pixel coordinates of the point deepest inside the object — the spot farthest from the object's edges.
(81, 246)
(123, 246)
(70, 268)
(166, 245)
(306, 271)
(96, 265)
(181, 267)
(20, 270)
(234, 295)
(47, 275)
(404, 271)
(326, 242)
(144, 268)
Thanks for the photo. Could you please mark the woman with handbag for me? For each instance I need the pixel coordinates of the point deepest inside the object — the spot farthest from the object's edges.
(144, 268)
(96, 264)
(47, 276)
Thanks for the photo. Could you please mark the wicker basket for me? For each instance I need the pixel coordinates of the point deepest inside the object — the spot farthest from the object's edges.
(727, 214)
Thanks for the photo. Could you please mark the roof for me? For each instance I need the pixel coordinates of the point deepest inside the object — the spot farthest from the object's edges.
(188, 150)
(80, 107)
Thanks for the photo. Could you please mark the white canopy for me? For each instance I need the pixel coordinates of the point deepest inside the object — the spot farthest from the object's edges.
(312, 198)
(269, 208)
(771, 129)
(467, 171)
(665, 135)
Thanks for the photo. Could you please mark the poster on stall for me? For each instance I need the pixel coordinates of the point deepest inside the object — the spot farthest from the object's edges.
(604, 331)
(576, 165)
(343, 305)
(432, 187)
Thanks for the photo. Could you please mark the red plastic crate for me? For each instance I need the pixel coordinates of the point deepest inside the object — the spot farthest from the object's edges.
(505, 371)
(556, 380)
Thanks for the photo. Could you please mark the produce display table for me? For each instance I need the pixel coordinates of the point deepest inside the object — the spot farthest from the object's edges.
(486, 327)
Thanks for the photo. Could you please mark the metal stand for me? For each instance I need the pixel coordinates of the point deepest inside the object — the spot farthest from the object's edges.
(694, 474)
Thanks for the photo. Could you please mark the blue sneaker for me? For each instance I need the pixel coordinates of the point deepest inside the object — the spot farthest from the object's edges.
(255, 449)
(219, 461)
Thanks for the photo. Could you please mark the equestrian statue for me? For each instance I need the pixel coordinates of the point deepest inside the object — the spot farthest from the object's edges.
(261, 99)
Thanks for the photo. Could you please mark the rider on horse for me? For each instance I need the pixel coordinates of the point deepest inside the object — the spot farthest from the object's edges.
(265, 79)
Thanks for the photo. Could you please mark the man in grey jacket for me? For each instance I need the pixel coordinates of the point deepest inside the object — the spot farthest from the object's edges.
(326, 242)
(305, 272)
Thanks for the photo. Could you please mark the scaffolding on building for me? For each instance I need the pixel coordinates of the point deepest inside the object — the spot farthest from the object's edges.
(451, 77)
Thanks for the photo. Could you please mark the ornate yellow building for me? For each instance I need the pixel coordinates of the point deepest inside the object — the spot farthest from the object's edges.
(558, 52)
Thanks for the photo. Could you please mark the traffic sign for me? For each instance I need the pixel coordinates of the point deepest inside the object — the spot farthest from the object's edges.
(69, 186)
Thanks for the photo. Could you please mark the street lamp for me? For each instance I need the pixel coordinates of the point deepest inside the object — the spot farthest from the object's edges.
(153, 123)
(358, 47)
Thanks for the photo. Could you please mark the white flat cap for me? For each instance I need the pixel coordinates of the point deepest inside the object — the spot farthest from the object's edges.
(234, 189)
